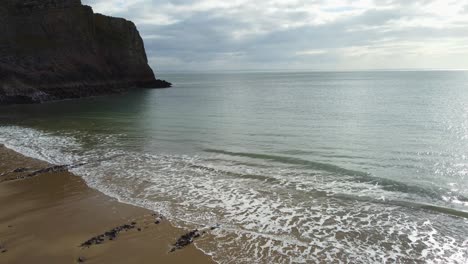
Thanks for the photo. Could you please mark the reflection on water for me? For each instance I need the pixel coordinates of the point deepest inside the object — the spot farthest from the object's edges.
(296, 167)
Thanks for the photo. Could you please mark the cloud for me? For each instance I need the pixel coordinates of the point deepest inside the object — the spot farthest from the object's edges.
(298, 34)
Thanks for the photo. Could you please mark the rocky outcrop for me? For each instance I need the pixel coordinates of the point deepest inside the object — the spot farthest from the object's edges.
(58, 49)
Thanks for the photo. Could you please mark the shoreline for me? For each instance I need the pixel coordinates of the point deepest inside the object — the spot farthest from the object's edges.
(49, 215)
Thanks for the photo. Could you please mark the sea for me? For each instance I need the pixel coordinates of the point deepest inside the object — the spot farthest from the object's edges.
(294, 167)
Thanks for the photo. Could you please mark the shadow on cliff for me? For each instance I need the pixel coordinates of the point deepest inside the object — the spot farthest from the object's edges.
(60, 49)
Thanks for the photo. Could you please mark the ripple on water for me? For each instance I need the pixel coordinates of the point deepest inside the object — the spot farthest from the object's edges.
(268, 214)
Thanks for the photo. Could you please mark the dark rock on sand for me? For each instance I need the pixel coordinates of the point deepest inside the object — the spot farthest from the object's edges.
(185, 240)
(56, 168)
(81, 260)
(109, 235)
(3, 249)
(18, 170)
(59, 49)
(188, 238)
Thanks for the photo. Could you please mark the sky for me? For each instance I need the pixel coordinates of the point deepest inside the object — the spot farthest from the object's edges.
(210, 35)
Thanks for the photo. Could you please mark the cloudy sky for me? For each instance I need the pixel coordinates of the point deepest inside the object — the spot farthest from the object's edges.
(298, 34)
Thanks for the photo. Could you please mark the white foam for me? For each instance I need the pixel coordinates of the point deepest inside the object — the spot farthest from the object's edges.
(268, 215)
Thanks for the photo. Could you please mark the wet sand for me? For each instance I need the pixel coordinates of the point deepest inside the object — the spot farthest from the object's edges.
(45, 219)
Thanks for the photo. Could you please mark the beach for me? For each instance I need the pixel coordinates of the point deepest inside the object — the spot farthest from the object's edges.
(287, 173)
(279, 132)
(46, 216)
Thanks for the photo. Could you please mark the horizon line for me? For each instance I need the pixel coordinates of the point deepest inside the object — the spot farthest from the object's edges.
(307, 70)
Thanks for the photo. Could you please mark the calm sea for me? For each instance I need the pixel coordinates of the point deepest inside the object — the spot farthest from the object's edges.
(357, 167)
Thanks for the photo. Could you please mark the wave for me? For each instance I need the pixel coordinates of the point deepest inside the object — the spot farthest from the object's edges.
(293, 161)
(268, 214)
(354, 176)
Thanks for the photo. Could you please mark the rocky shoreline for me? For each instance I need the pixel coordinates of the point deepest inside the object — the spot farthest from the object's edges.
(41, 94)
(60, 49)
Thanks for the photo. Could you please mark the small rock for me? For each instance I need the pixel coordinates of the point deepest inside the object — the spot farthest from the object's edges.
(4, 251)
(81, 260)
(20, 170)
(139, 229)
(110, 235)
(185, 240)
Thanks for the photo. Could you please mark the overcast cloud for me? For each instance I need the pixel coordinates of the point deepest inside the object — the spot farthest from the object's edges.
(302, 35)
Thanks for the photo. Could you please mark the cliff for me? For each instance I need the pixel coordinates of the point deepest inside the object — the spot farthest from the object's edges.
(58, 49)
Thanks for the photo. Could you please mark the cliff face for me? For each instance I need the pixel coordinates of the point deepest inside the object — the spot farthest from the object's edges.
(57, 49)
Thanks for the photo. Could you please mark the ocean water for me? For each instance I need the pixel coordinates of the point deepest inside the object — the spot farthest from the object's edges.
(318, 167)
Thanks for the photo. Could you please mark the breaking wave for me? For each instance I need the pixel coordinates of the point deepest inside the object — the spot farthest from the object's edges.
(272, 208)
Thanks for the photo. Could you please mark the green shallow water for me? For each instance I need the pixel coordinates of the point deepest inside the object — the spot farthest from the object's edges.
(291, 165)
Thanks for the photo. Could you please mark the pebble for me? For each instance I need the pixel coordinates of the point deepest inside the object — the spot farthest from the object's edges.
(3, 249)
(158, 220)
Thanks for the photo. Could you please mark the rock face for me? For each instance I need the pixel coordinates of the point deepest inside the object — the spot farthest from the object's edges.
(58, 49)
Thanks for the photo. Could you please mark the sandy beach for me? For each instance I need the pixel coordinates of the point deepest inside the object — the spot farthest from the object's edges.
(46, 217)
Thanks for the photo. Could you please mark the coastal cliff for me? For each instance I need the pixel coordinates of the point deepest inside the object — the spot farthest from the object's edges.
(59, 49)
